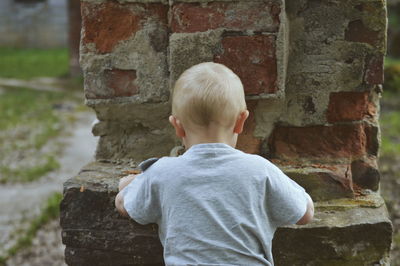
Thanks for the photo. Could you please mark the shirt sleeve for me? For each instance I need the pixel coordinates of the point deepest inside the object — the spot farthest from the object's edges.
(286, 200)
(141, 200)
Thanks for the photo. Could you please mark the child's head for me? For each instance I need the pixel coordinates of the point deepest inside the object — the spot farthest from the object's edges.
(208, 97)
(208, 93)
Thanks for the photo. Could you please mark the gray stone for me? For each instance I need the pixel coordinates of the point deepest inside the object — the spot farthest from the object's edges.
(352, 237)
(344, 232)
(187, 49)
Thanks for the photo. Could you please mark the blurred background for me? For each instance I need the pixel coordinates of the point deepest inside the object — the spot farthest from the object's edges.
(45, 128)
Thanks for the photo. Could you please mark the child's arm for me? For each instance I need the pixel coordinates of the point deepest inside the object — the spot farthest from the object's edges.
(123, 182)
(309, 215)
(119, 199)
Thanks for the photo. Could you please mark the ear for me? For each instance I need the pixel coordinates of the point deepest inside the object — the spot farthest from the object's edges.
(238, 128)
(179, 130)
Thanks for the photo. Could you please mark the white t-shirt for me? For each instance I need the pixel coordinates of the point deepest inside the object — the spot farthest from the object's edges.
(215, 205)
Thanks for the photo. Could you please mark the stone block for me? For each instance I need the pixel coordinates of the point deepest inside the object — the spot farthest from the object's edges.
(323, 61)
(188, 49)
(374, 70)
(344, 231)
(107, 24)
(322, 182)
(354, 236)
(349, 106)
(121, 38)
(253, 59)
(122, 82)
(136, 142)
(132, 130)
(373, 139)
(365, 173)
(358, 32)
(248, 37)
(323, 142)
(233, 16)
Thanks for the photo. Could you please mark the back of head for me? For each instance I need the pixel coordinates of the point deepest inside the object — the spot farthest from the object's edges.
(208, 92)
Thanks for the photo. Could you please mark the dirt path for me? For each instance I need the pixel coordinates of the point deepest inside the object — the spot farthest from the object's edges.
(44, 84)
(19, 203)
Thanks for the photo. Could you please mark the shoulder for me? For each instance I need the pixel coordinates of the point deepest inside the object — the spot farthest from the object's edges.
(158, 166)
(262, 164)
(257, 160)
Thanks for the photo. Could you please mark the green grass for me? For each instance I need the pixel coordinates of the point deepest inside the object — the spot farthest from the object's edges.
(49, 211)
(390, 115)
(27, 122)
(28, 174)
(21, 106)
(390, 123)
(28, 118)
(30, 63)
(389, 61)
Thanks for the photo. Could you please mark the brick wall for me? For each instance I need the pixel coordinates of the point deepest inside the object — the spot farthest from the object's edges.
(133, 51)
(312, 73)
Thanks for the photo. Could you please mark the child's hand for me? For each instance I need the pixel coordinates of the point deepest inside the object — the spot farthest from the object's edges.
(123, 182)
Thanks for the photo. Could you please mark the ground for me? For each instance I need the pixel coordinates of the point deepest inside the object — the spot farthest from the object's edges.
(29, 233)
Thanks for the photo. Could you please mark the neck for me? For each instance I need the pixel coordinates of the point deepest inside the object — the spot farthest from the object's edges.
(210, 135)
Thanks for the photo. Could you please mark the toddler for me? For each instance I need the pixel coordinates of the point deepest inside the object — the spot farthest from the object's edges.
(214, 205)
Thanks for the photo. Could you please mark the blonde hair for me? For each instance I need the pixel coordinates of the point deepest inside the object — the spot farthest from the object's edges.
(208, 92)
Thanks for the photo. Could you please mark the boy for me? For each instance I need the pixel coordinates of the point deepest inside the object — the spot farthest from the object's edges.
(214, 205)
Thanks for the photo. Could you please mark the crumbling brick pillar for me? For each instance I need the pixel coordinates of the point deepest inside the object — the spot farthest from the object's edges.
(312, 73)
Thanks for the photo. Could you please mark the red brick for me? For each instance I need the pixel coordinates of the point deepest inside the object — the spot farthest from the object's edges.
(374, 70)
(337, 141)
(108, 23)
(253, 59)
(247, 142)
(349, 106)
(122, 82)
(194, 17)
(357, 32)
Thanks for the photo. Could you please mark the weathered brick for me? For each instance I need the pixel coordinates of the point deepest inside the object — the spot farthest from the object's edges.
(122, 82)
(371, 132)
(253, 59)
(322, 182)
(358, 32)
(338, 236)
(247, 142)
(365, 174)
(349, 106)
(335, 141)
(95, 234)
(117, 83)
(256, 16)
(186, 50)
(108, 23)
(374, 70)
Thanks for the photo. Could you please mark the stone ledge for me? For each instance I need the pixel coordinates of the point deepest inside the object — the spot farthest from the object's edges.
(356, 236)
(343, 232)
